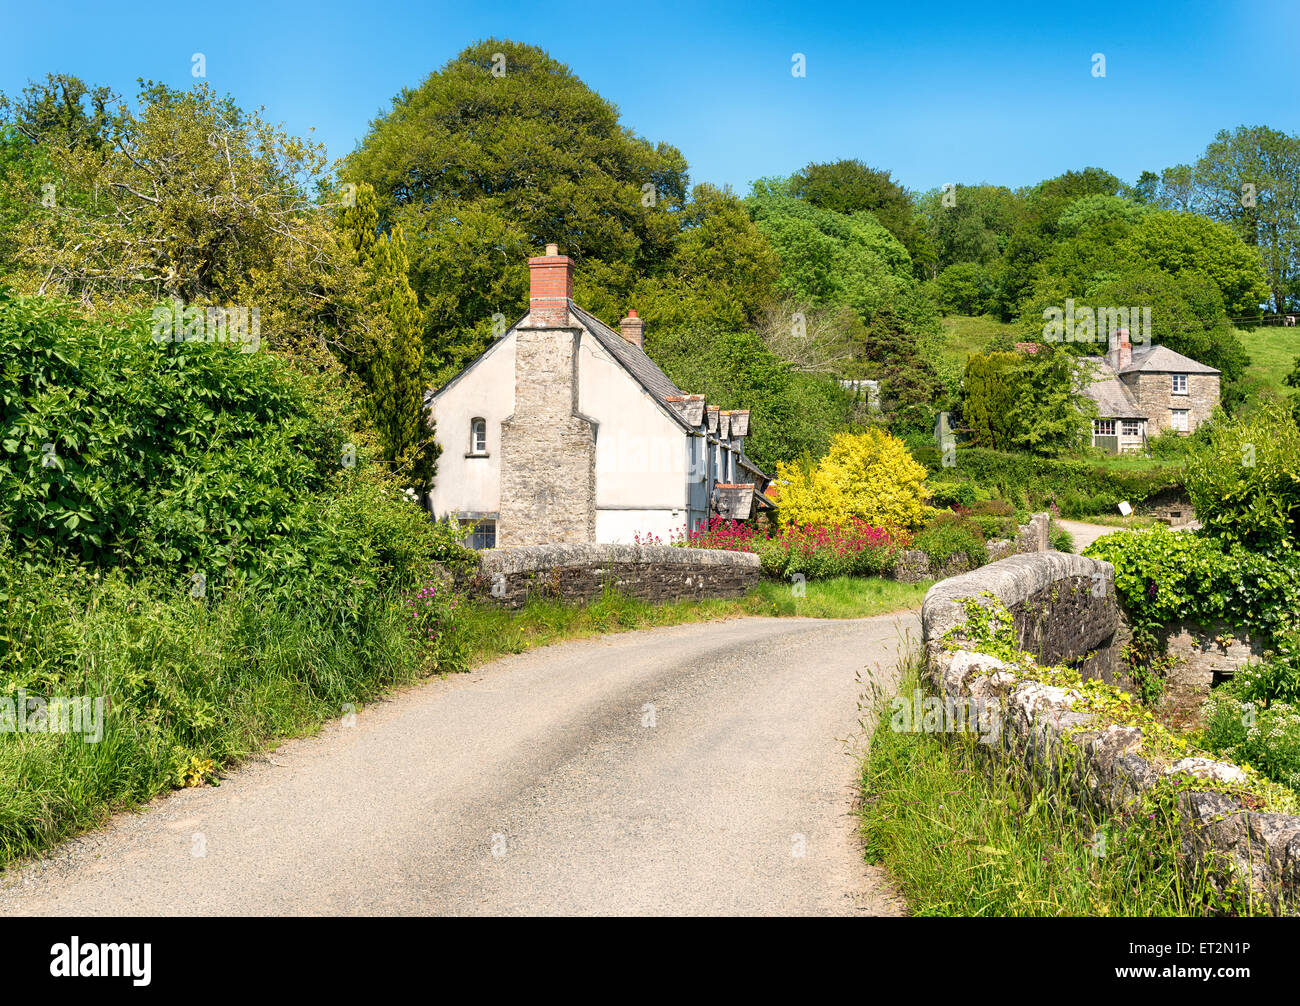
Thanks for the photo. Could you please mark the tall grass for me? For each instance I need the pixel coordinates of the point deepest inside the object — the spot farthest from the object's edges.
(189, 687)
(843, 597)
(964, 834)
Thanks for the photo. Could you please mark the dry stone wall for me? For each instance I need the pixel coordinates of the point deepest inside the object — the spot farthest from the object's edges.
(1064, 609)
(581, 573)
(912, 565)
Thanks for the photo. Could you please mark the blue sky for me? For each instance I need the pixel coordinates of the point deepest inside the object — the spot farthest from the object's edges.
(935, 92)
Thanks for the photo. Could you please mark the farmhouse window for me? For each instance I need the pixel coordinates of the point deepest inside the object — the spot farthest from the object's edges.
(1130, 428)
(1180, 384)
(1103, 427)
(478, 436)
(479, 533)
(1178, 420)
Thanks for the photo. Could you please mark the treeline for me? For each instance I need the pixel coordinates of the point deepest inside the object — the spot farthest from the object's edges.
(397, 265)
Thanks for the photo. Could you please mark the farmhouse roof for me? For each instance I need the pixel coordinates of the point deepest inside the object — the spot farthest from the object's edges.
(1163, 360)
(633, 359)
(1114, 400)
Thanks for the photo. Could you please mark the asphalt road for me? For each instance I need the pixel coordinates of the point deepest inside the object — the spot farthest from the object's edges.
(699, 769)
(1084, 534)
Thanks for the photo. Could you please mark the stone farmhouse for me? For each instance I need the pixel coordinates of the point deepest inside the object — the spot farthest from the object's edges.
(565, 431)
(1145, 391)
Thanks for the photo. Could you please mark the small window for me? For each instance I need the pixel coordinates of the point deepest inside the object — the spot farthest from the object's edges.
(1180, 384)
(1103, 427)
(1178, 420)
(479, 533)
(1131, 428)
(478, 436)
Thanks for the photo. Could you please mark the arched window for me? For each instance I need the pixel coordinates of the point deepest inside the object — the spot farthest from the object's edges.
(478, 436)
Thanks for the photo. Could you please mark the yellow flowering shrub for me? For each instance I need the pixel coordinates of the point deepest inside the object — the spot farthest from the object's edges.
(868, 475)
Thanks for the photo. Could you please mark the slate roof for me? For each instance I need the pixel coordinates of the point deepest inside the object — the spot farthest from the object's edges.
(689, 411)
(760, 478)
(689, 407)
(1163, 360)
(1114, 400)
(634, 360)
(735, 499)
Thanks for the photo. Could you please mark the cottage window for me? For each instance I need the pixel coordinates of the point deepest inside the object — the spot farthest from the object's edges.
(1178, 420)
(479, 533)
(478, 436)
(1180, 384)
(1131, 428)
(1103, 427)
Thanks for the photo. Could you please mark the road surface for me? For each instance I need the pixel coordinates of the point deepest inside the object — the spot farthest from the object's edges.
(1085, 534)
(698, 769)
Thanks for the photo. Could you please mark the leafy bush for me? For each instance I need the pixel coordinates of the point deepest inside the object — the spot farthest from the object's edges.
(117, 449)
(950, 534)
(964, 288)
(187, 540)
(867, 476)
(994, 518)
(1164, 576)
(1078, 487)
(1170, 445)
(1265, 737)
(1245, 482)
(951, 494)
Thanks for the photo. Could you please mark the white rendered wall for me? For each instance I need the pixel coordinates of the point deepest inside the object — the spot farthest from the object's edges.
(473, 485)
(640, 450)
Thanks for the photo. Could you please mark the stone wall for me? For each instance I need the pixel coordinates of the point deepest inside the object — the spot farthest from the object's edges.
(1064, 608)
(548, 450)
(581, 572)
(1171, 506)
(912, 565)
(1155, 398)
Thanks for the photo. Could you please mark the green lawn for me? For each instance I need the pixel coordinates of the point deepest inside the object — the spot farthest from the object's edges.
(844, 597)
(1273, 353)
(964, 335)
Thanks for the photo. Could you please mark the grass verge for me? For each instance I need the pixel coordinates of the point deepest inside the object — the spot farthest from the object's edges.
(963, 834)
(488, 631)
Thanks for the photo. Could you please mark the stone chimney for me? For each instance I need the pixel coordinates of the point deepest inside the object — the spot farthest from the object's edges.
(632, 328)
(550, 288)
(1121, 350)
(548, 448)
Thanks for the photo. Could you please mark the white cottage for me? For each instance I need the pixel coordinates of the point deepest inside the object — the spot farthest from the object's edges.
(564, 430)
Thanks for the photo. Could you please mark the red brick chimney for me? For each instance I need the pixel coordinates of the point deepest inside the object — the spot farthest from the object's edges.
(550, 288)
(1122, 355)
(632, 328)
